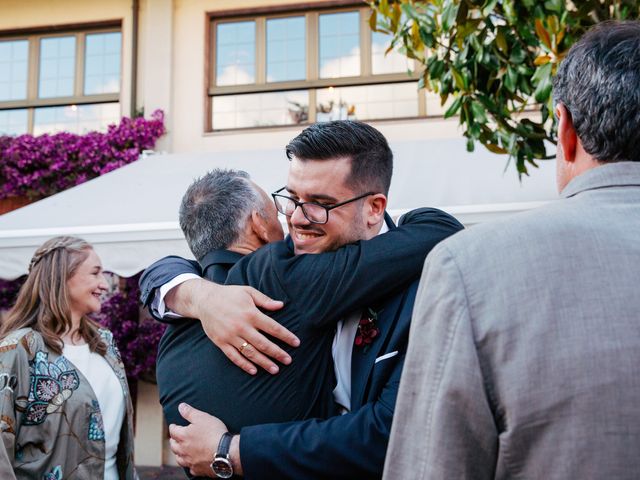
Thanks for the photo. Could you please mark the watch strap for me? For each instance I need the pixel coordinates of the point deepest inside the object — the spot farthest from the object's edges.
(223, 446)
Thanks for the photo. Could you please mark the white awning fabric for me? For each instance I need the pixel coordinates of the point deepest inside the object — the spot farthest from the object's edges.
(130, 215)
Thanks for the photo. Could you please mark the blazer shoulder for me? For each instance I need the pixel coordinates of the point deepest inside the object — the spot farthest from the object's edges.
(425, 214)
(263, 269)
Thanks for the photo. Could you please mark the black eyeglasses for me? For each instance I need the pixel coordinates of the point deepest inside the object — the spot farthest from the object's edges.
(312, 211)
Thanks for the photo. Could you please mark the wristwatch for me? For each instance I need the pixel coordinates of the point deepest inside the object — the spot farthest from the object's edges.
(221, 464)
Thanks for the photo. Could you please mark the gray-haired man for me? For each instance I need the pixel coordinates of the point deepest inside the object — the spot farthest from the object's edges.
(525, 340)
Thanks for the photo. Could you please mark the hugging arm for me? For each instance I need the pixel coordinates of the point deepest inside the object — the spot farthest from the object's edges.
(366, 272)
(235, 319)
(161, 273)
(335, 283)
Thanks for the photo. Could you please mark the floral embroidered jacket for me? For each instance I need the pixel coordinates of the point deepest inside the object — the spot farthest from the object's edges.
(50, 420)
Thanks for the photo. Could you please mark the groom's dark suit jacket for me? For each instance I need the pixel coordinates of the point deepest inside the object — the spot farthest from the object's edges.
(318, 290)
(350, 446)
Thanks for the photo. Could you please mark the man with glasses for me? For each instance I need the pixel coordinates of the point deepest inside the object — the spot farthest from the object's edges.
(331, 166)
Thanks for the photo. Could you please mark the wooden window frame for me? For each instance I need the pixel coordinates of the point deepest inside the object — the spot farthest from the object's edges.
(312, 82)
(33, 36)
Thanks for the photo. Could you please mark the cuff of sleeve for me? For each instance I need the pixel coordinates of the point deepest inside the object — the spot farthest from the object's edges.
(158, 306)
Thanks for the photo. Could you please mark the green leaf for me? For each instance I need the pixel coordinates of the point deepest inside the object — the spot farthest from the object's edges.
(449, 14)
(543, 91)
(410, 12)
(501, 42)
(470, 145)
(554, 5)
(488, 7)
(455, 106)
(518, 55)
(436, 67)
(541, 73)
(458, 78)
(426, 37)
(479, 113)
(511, 79)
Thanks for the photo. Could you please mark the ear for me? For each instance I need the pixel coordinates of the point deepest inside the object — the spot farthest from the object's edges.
(259, 227)
(375, 207)
(567, 137)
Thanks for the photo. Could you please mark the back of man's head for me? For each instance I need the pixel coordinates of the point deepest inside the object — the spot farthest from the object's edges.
(599, 84)
(371, 157)
(215, 209)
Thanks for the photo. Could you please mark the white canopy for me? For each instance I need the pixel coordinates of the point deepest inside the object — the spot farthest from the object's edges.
(130, 215)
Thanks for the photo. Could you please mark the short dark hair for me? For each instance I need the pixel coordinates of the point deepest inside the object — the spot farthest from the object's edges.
(371, 157)
(599, 84)
(214, 210)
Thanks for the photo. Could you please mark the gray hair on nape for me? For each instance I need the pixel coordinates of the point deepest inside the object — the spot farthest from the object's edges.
(215, 210)
(598, 82)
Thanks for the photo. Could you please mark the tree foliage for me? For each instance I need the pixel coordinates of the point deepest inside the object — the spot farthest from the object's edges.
(493, 61)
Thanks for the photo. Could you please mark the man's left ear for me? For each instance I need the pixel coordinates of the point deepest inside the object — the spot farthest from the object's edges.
(259, 227)
(375, 207)
(567, 136)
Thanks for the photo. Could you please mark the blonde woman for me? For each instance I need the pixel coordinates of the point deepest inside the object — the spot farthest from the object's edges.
(65, 409)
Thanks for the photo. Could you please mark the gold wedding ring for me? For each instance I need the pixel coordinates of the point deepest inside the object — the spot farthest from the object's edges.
(243, 346)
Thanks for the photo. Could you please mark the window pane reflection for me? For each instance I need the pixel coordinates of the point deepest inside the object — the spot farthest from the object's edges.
(13, 122)
(235, 53)
(14, 58)
(339, 44)
(102, 63)
(75, 118)
(392, 62)
(260, 109)
(57, 66)
(286, 49)
(395, 100)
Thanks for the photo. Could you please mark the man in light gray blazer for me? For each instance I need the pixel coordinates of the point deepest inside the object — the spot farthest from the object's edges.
(524, 351)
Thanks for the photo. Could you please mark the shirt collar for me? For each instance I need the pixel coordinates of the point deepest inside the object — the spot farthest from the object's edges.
(217, 257)
(617, 174)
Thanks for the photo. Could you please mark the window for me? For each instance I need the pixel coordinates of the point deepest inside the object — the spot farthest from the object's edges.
(55, 82)
(296, 68)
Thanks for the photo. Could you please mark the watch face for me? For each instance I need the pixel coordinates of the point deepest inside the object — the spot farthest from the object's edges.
(222, 467)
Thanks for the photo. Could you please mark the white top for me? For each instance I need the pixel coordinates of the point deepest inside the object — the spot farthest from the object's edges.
(108, 391)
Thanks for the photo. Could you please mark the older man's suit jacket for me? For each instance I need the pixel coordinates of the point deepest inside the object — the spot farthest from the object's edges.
(318, 290)
(524, 353)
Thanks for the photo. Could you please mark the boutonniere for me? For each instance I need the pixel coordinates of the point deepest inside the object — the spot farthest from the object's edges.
(367, 329)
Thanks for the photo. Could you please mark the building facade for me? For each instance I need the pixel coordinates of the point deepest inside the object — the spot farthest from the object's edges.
(226, 73)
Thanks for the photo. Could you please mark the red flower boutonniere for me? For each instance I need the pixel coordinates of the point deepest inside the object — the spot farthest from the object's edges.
(367, 329)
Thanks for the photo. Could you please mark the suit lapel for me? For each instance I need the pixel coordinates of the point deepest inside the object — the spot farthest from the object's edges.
(362, 361)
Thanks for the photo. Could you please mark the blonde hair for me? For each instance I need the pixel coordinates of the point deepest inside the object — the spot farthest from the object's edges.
(43, 300)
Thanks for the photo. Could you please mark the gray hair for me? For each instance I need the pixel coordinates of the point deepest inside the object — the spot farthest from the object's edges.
(599, 84)
(215, 209)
